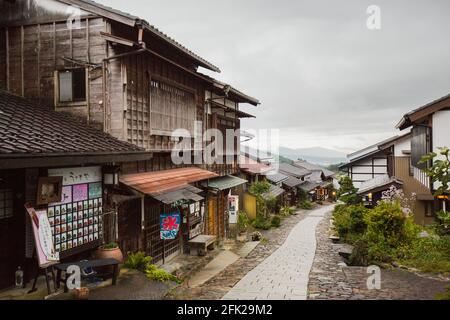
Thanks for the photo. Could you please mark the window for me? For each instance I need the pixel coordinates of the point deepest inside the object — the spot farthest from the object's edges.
(72, 85)
(6, 203)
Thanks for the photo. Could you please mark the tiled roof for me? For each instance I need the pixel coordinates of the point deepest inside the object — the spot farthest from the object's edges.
(276, 177)
(378, 182)
(27, 128)
(150, 28)
(251, 166)
(293, 170)
(160, 182)
(274, 192)
(293, 182)
(312, 167)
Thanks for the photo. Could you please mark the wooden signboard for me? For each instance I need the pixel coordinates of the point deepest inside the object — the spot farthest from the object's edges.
(43, 239)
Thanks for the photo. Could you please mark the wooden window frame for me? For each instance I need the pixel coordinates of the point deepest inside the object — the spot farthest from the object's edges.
(63, 104)
(5, 205)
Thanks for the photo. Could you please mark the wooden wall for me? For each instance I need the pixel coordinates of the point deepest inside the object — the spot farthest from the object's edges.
(31, 54)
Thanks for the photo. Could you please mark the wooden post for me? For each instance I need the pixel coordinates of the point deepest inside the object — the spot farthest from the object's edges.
(7, 58)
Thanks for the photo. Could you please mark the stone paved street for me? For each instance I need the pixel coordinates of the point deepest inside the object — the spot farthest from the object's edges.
(329, 280)
(284, 274)
(219, 285)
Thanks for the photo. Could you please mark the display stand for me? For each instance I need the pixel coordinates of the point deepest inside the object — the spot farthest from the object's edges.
(43, 270)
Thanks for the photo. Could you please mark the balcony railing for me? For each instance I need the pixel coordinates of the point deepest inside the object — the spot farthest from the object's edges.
(421, 176)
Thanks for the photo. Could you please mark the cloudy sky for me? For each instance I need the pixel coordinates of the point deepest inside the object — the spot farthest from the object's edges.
(324, 79)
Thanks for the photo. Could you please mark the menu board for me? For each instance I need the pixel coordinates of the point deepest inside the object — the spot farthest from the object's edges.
(77, 220)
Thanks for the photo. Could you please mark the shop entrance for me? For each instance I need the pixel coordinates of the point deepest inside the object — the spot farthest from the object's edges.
(160, 250)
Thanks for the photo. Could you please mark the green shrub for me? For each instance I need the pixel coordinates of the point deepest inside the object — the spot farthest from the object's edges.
(243, 221)
(388, 232)
(349, 221)
(287, 211)
(137, 261)
(302, 195)
(276, 222)
(431, 254)
(154, 273)
(306, 205)
(262, 223)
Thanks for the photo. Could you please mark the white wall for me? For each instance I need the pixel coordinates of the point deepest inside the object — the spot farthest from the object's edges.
(402, 145)
(441, 131)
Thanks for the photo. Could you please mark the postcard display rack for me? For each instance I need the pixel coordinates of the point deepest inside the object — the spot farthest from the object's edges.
(77, 220)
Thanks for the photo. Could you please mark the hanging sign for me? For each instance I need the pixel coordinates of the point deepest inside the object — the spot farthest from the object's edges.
(169, 225)
(233, 207)
(43, 237)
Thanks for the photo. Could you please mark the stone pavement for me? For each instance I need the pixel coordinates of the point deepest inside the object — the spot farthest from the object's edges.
(223, 260)
(284, 274)
(219, 285)
(331, 279)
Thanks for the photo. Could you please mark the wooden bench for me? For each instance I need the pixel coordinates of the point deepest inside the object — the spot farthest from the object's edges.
(201, 244)
(60, 268)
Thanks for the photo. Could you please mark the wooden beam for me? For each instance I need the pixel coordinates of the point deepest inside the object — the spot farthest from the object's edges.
(115, 39)
(22, 40)
(7, 59)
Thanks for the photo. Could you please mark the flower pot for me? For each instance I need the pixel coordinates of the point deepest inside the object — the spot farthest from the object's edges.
(108, 253)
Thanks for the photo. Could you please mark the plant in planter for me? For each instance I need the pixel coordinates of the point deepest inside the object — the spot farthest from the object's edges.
(110, 251)
(243, 222)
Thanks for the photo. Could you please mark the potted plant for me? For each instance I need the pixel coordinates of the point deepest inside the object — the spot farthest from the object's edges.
(243, 222)
(110, 251)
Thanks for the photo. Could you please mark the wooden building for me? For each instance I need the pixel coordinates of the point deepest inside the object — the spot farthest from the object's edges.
(429, 130)
(36, 145)
(391, 164)
(118, 73)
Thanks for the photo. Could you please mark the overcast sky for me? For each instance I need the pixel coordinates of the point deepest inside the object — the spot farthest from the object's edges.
(324, 79)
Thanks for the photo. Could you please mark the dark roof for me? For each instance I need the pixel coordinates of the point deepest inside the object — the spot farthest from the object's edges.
(293, 182)
(313, 167)
(379, 183)
(223, 183)
(133, 20)
(274, 192)
(406, 120)
(28, 129)
(276, 177)
(291, 170)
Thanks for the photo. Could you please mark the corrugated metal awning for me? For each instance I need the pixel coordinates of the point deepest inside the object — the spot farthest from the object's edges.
(186, 193)
(223, 183)
(160, 182)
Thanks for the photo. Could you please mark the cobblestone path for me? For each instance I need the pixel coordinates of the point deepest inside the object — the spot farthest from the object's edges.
(331, 279)
(284, 274)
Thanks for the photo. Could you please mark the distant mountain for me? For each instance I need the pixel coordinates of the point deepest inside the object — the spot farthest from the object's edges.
(317, 155)
(320, 156)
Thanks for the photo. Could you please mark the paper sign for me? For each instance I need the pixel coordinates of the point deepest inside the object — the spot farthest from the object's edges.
(233, 207)
(80, 192)
(43, 238)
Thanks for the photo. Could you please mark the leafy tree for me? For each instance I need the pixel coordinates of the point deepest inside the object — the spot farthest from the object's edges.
(440, 172)
(347, 192)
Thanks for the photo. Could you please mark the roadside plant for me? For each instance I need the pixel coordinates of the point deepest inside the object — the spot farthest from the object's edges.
(243, 221)
(306, 205)
(397, 195)
(347, 192)
(154, 273)
(287, 211)
(276, 222)
(137, 261)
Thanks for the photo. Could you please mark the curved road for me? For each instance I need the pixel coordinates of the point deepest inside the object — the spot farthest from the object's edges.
(284, 274)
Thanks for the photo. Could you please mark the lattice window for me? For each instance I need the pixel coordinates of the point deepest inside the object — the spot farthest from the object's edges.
(6, 203)
(171, 108)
